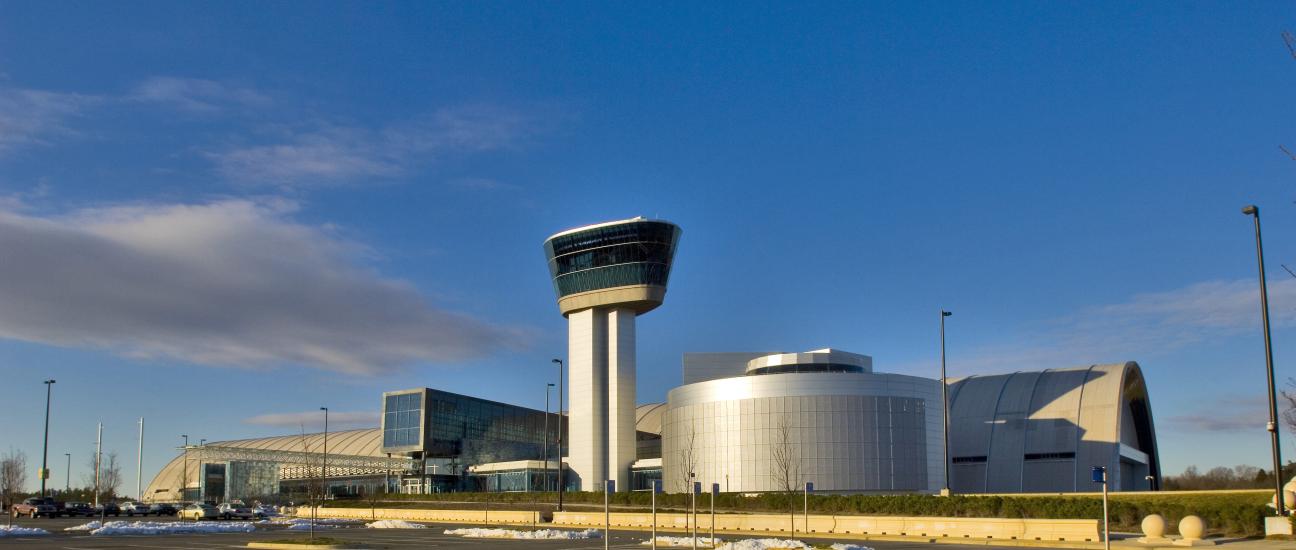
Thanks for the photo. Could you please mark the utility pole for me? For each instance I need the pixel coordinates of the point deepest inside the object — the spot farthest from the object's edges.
(98, 459)
(139, 464)
(67, 480)
(1254, 212)
(184, 482)
(44, 471)
(945, 406)
(560, 431)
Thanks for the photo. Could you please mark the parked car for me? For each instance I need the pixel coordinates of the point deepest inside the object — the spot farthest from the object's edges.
(198, 512)
(262, 511)
(73, 509)
(161, 509)
(134, 508)
(34, 507)
(232, 511)
(108, 509)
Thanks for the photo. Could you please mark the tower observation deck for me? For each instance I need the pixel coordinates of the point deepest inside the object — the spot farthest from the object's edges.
(604, 276)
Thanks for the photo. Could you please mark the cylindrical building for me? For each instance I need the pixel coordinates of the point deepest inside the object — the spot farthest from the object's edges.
(605, 275)
(823, 417)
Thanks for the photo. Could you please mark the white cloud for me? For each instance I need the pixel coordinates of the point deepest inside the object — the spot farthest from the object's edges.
(196, 94)
(332, 154)
(311, 419)
(1146, 324)
(32, 117)
(228, 283)
(1225, 414)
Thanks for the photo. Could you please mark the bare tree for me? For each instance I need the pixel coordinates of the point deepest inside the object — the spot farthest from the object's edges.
(688, 457)
(785, 461)
(110, 475)
(13, 476)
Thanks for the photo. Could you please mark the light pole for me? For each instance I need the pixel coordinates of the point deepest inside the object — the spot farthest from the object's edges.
(1254, 212)
(560, 430)
(944, 403)
(139, 464)
(184, 483)
(44, 473)
(545, 469)
(67, 480)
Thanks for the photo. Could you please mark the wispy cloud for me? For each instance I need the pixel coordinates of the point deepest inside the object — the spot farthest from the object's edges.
(314, 419)
(1146, 324)
(333, 154)
(33, 117)
(196, 94)
(1224, 414)
(228, 283)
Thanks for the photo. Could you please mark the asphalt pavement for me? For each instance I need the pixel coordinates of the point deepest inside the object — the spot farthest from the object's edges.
(432, 537)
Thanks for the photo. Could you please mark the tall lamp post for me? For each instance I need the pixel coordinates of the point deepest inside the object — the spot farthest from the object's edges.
(44, 473)
(67, 480)
(184, 482)
(1254, 212)
(944, 405)
(324, 468)
(560, 431)
(546, 437)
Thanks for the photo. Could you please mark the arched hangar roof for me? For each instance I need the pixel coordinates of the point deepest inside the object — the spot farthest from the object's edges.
(165, 485)
(1043, 431)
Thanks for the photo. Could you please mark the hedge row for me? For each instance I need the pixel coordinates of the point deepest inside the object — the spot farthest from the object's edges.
(1231, 513)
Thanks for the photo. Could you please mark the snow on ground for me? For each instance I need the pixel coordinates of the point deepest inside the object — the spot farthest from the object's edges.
(394, 524)
(307, 526)
(21, 532)
(162, 528)
(318, 522)
(768, 544)
(515, 534)
(682, 541)
(85, 527)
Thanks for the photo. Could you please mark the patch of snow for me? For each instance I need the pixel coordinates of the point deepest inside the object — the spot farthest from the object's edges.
(394, 524)
(307, 526)
(164, 528)
(318, 522)
(515, 534)
(844, 546)
(764, 544)
(682, 541)
(85, 526)
(21, 532)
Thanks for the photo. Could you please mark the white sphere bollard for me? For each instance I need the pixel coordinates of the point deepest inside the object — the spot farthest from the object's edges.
(1289, 499)
(1192, 528)
(1154, 526)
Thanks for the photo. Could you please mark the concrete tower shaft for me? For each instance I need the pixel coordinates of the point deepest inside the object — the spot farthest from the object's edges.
(604, 276)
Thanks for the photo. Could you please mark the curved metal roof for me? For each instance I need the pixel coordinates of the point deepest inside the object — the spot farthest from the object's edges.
(166, 484)
(1043, 431)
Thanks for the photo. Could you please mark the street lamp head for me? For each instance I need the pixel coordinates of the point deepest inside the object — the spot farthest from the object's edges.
(551, 384)
(559, 361)
(945, 313)
(1251, 210)
(325, 409)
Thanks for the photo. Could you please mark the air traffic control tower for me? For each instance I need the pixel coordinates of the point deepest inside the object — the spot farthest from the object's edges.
(605, 275)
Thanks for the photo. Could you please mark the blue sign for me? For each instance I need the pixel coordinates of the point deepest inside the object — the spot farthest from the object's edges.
(611, 485)
(697, 487)
(657, 486)
(1099, 474)
(809, 486)
(715, 489)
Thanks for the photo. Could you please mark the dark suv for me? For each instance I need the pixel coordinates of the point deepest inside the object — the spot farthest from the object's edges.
(78, 509)
(161, 509)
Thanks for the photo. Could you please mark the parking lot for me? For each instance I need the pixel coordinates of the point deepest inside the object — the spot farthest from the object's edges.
(432, 537)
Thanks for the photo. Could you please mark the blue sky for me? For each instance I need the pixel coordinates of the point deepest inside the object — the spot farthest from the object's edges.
(220, 216)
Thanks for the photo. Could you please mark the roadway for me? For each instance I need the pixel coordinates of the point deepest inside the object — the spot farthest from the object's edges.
(361, 537)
